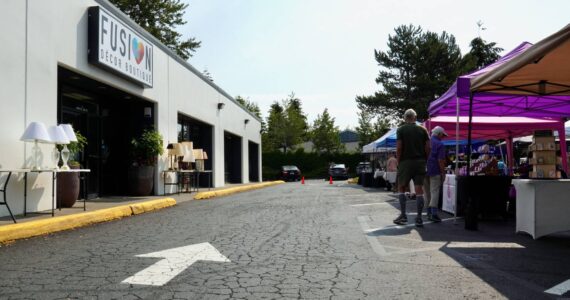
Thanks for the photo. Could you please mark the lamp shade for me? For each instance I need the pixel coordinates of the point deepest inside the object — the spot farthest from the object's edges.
(68, 129)
(36, 132)
(205, 154)
(178, 150)
(57, 135)
(188, 152)
(198, 154)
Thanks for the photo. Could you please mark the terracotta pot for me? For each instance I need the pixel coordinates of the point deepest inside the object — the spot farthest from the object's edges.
(141, 180)
(67, 188)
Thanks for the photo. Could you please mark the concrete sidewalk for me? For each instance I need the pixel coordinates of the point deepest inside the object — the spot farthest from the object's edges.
(105, 209)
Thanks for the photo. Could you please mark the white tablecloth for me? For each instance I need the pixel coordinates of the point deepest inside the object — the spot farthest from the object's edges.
(449, 193)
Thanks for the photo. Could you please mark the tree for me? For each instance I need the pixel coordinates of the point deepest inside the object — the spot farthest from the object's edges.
(249, 105)
(298, 125)
(159, 18)
(207, 74)
(325, 135)
(415, 70)
(480, 55)
(286, 125)
(276, 124)
(367, 129)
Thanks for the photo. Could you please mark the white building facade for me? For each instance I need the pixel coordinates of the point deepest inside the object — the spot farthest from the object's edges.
(86, 63)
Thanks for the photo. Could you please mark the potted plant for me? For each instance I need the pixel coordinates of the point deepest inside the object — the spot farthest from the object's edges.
(145, 151)
(68, 185)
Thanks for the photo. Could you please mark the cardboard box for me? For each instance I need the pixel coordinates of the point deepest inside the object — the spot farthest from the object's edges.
(542, 139)
(544, 171)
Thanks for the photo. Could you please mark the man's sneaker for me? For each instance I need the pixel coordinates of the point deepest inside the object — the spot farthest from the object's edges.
(401, 220)
(419, 222)
(434, 218)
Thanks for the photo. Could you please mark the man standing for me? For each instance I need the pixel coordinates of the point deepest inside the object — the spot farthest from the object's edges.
(435, 171)
(412, 148)
(391, 169)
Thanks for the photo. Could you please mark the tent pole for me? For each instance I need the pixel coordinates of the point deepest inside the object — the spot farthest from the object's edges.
(456, 157)
(469, 125)
(510, 155)
(563, 149)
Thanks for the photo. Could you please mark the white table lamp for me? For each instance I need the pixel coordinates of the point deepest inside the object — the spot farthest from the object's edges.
(36, 132)
(188, 152)
(58, 137)
(68, 130)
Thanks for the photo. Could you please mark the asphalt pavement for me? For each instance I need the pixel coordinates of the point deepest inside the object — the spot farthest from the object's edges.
(312, 241)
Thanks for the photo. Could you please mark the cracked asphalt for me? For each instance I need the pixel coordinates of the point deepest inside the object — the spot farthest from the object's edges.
(291, 241)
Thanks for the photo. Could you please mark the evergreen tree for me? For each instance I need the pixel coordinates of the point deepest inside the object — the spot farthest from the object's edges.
(276, 123)
(415, 70)
(249, 105)
(160, 18)
(365, 128)
(298, 125)
(480, 55)
(286, 125)
(325, 135)
(207, 74)
(368, 130)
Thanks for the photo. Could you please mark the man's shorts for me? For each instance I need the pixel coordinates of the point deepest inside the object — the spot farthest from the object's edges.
(411, 169)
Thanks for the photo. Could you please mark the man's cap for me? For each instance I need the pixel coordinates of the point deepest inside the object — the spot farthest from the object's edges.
(438, 130)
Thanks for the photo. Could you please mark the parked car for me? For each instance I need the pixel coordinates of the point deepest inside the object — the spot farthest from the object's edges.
(338, 171)
(290, 173)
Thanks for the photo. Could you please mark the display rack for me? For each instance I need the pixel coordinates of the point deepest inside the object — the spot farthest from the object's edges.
(544, 158)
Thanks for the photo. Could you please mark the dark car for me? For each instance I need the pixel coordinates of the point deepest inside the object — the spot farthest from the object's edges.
(338, 171)
(290, 173)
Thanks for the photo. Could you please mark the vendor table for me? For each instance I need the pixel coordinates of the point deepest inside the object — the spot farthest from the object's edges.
(54, 173)
(542, 206)
(482, 195)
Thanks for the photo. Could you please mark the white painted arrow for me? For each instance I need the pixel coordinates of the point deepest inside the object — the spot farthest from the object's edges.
(175, 261)
(560, 289)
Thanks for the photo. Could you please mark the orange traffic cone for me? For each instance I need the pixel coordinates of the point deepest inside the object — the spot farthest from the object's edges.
(303, 180)
(330, 180)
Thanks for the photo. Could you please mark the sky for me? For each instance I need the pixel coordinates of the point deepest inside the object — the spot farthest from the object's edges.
(323, 50)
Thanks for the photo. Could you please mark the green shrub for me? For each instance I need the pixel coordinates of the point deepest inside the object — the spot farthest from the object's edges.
(146, 148)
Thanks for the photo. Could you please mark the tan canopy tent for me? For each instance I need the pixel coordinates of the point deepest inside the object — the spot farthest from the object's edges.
(543, 69)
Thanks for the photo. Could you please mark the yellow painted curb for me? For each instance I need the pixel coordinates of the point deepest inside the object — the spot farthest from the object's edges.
(40, 227)
(139, 208)
(233, 190)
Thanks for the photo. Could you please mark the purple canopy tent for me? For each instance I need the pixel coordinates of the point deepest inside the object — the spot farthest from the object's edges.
(486, 128)
(530, 81)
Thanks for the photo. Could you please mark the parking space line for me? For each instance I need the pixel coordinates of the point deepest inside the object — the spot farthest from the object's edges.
(403, 226)
(559, 289)
(483, 245)
(389, 202)
(374, 243)
(367, 204)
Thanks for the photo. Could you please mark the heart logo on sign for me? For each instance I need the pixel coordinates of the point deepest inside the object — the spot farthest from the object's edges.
(138, 50)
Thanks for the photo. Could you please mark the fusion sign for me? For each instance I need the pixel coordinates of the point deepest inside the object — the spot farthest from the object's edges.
(115, 46)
